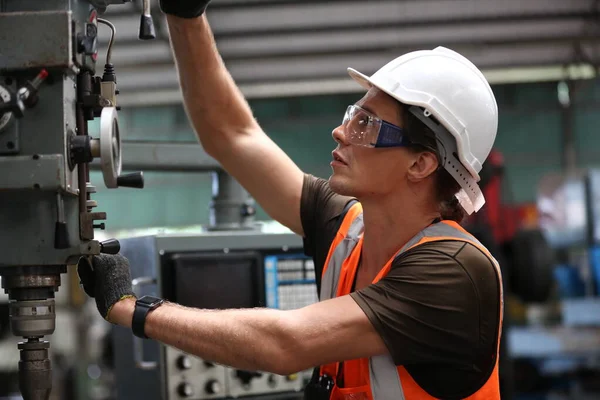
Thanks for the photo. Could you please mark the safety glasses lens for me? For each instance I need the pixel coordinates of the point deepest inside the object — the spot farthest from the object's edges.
(361, 127)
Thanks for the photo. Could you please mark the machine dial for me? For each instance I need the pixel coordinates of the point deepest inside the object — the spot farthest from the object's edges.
(185, 390)
(184, 362)
(213, 387)
(7, 117)
(110, 147)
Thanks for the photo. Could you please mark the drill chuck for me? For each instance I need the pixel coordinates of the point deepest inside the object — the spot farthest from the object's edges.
(33, 318)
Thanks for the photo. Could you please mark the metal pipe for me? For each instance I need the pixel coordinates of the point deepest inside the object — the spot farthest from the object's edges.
(569, 153)
(173, 157)
(83, 84)
(231, 206)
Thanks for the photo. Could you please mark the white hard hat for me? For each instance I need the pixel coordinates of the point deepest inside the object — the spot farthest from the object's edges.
(449, 87)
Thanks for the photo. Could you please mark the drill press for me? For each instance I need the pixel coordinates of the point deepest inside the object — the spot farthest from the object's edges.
(49, 92)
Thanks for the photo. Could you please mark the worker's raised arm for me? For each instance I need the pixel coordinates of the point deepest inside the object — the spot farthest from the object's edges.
(226, 127)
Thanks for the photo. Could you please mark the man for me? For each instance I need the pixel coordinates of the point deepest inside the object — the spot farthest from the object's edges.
(411, 304)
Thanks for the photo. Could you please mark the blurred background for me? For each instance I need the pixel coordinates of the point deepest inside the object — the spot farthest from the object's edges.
(542, 181)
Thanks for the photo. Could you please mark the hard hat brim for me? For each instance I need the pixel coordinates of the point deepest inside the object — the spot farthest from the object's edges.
(361, 79)
(367, 83)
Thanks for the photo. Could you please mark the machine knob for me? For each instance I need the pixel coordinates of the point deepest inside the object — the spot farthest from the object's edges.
(247, 376)
(133, 180)
(185, 390)
(213, 387)
(110, 246)
(272, 380)
(184, 362)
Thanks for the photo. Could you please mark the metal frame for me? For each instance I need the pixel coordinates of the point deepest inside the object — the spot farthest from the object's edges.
(226, 241)
(280, 48)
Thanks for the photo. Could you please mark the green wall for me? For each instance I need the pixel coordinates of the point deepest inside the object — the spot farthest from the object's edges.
(529, 136)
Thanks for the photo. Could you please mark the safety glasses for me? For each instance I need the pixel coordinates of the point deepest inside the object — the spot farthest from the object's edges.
(363, 128)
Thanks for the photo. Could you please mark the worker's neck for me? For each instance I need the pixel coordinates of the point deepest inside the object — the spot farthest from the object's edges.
(389, 223)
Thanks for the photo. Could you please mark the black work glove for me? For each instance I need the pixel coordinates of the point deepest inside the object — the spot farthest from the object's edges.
(184, 8)
(108, 280)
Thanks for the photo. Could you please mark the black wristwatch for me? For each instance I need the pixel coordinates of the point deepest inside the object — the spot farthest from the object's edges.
(143, 306)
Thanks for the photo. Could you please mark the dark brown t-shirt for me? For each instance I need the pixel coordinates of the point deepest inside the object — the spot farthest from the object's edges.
(437, 309)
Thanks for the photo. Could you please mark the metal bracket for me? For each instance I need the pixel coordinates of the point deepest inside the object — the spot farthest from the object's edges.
(86, 224)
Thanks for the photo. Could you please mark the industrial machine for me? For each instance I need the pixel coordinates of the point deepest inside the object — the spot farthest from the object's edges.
(213, 269)
(50, 89)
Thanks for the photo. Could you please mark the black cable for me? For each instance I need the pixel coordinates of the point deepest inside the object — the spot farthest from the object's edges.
(112, 38)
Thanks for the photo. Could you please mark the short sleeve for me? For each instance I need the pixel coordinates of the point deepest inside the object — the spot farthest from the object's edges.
(438, 306)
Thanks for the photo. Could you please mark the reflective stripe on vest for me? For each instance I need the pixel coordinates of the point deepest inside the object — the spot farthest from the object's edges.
(331, 278)
(384, 378)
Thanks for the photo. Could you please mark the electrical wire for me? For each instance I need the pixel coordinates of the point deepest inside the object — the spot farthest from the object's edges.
(112, 38)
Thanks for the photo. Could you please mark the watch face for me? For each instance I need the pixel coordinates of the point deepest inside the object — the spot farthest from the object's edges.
(149, 301)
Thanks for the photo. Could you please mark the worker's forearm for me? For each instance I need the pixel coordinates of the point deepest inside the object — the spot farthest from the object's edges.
(251, 339)
(213, 102)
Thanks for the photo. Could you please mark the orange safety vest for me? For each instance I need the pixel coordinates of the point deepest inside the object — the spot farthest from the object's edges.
(378, 378)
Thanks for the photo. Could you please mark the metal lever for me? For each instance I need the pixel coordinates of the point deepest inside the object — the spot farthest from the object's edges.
(110, 246)
(147, 31)
(61, 231)
(132, 180)
(26, 96)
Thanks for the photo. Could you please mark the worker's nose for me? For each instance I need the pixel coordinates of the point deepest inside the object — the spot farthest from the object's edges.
(339, 135)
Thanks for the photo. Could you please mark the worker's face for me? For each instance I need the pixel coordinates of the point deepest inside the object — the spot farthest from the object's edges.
(366, 172)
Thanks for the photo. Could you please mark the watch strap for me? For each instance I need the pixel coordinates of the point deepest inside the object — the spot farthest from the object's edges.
(140, 313)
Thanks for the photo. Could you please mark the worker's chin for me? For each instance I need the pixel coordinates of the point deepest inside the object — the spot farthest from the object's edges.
(341, 184)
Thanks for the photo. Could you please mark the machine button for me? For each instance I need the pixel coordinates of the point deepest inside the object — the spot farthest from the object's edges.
(185, 390)
(292, 377)
(184, 362)
(208, 364)
(213, 387)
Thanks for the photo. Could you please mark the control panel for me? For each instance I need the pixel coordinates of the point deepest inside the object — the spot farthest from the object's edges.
(189, 377)
(210, 270)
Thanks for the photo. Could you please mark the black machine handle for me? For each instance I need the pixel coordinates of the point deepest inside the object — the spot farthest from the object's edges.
(147, 31)
(110, 246)
(132, 180)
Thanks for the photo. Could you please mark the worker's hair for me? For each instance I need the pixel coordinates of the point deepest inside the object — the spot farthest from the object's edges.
(423, 139)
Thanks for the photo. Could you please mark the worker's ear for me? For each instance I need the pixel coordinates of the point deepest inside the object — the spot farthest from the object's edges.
(422, 165)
